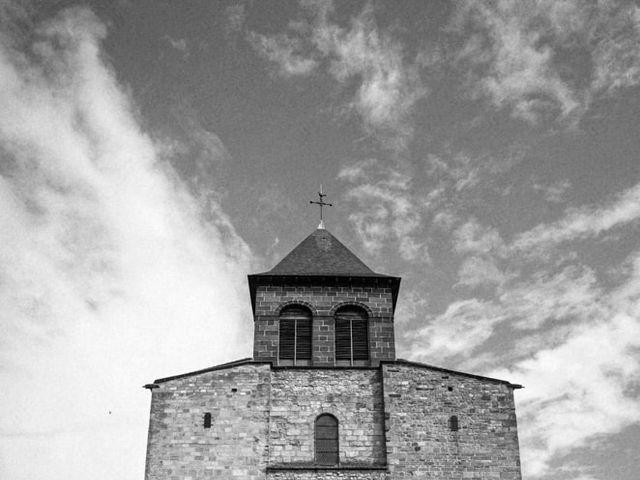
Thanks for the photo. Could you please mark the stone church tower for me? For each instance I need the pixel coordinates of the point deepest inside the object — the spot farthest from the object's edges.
(324, 396)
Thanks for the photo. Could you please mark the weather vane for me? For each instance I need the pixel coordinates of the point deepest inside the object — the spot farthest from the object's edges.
(321, 204)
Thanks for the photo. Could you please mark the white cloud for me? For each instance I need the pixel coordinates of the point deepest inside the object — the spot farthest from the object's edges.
(568, 297)
(388, 85)
(578, 357)
(583, 223)
(616, 56)
(516, 61)
(179, 44)
(465, 325)
(519, 54)
(476, 238)
(236, 18)
(285, 51)
(580, 383)
(109, 274)
(478, 271)
(385, 208)
(554, 193)
(577, 390)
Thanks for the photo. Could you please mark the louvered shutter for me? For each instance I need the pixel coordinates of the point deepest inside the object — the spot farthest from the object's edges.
(352, 336)
(360, 339)
(326, 440)
(287, 338)
(303, 339)
(295, 333)
(343, 338)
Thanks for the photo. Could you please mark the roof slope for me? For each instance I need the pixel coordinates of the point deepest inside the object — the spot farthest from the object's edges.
(322, 254)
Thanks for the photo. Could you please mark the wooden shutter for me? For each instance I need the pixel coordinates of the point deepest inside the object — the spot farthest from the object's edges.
(295, 333)
(343, 338)
(352, 334)
(303, 339)
(327, 440)
(287, 338)
(360, 338)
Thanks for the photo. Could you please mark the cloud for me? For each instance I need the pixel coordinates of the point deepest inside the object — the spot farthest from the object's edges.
(516, 62)
(465, 325)
(554, 193)
(616, 56)
(577, 390)
(578, 224)
(384, 208)
(179, 44)
(573, 345)
(284, 51)
(388, 86)
(236, 16)
(111, 272)
(544, 300)
(475, 238)
(569, 339)
(548, 60)
(478, 271)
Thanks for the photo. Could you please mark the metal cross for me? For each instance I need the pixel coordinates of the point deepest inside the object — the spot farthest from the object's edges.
(321, 204)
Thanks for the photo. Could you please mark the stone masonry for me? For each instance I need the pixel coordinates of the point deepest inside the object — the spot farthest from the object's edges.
(394, 424)
(323, 301)
(256, 419)
(236, 445)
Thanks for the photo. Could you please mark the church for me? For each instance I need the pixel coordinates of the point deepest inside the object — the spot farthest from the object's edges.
(324, 396)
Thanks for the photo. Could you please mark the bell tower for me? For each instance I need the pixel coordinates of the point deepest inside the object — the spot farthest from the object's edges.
(322, 306)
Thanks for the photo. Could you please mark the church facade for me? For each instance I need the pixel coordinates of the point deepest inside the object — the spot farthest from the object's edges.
(324, 396)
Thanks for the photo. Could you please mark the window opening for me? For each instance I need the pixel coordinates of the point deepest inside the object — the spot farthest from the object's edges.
(453, 423)
(207, 420)
(327, 440)
(352, 336)
(295, 334)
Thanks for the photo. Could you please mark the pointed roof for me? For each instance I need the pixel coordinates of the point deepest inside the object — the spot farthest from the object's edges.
(321, 257)
(322, 254)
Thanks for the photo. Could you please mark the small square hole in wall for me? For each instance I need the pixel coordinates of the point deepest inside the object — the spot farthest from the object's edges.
(234, 390)
(450, 389)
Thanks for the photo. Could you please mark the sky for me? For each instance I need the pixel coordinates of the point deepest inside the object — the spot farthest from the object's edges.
(154, 153)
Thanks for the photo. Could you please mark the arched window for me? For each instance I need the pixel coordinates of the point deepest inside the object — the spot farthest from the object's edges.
(295, 335)
(352, 335)
(327, 440)
(453, 423)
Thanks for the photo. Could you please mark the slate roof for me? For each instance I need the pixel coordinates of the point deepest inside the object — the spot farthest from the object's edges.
(321, 257)
(322, 254)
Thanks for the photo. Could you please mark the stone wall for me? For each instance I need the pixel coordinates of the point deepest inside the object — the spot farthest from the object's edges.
(419, 402)
(393, 424)
(321, 474)
(323, 301)
(323, 340)
(353, 396)
(236, 444)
